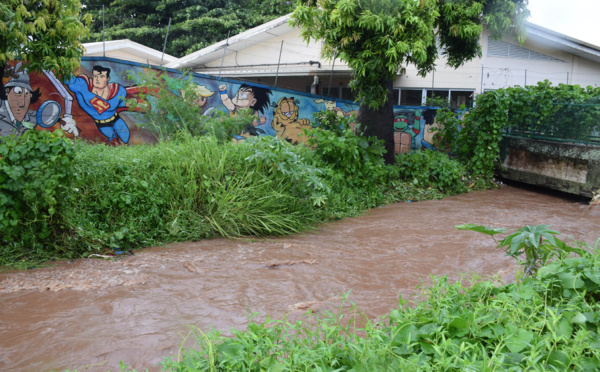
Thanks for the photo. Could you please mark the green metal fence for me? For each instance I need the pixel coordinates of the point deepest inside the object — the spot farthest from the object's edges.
(561, 122)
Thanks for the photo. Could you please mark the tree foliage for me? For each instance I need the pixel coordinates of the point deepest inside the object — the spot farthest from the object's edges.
(195, 24)
(45, 34)
(378, 37)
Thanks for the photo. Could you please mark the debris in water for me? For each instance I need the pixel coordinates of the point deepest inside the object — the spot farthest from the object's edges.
(105, 256)
(302, 305)
(290, 263)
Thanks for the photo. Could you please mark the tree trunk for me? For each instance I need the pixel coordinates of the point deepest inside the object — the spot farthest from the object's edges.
(380, 123)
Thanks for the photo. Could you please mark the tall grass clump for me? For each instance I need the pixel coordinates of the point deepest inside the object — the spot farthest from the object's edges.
(546, 322)
(189, 189)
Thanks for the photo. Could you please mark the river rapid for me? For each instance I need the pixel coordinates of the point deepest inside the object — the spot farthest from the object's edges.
(90, 314)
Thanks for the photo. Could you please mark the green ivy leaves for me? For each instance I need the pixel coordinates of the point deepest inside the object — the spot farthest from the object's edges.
(34, 171)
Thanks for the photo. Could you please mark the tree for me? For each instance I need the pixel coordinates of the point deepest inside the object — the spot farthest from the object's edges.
(195, 24)
(44, 34)
(376, 38)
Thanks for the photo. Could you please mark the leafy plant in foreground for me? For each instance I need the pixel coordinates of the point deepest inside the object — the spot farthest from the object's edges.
(537, 243)
(35, 171)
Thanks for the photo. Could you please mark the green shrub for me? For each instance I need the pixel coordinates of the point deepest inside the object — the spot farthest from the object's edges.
(432, 169)
(297, 162)
(359, 158)
(448, 134)
(35, 172)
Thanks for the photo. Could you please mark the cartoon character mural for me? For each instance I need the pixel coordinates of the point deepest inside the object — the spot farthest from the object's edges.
(333, 106)
(253, 98)
(247, 97)
(408, 123)
(408, 127)
(103, 100)
(17, 98)
(286, 122)
(99, 98)
(201, 96)
(430, 136)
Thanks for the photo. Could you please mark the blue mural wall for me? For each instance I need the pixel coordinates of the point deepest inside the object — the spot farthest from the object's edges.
(94, 105)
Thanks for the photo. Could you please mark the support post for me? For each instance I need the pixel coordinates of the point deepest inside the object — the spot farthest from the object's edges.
(224, 51)
(481, 84)
(103, 39)
(278, 62)
(331, 75)
(165, 46)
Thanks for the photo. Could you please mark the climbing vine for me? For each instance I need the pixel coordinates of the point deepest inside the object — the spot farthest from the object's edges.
(565, 111)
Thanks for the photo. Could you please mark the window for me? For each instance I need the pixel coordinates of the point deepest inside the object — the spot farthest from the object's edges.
(459, 98)
(348, 94)
(411, 97)
(338, 93)
(438, 95)
(396, 99)
(333, 92)
(420, 97)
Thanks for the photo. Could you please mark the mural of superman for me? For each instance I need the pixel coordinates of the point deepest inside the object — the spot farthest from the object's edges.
(103, 101)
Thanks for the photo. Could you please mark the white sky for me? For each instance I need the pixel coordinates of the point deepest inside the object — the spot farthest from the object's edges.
(579, 19)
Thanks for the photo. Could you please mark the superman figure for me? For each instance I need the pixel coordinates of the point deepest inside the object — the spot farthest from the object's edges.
(103, 101)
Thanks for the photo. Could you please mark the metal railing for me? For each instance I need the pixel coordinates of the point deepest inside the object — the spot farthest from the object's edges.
(560, 122)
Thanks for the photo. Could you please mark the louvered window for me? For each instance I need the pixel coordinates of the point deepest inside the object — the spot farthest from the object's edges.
(497, 48)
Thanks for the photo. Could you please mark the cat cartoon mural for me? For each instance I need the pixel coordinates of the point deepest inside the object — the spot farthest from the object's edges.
(286, 122)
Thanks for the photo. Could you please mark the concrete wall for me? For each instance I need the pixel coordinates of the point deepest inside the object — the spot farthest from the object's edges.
(567, 167)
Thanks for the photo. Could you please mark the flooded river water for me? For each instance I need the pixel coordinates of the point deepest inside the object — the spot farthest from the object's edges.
(90, 314)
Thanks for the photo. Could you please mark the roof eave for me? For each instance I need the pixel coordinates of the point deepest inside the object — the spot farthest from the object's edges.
(191, 60)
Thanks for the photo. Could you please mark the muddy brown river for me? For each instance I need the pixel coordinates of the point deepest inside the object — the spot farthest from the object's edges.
(90, 314)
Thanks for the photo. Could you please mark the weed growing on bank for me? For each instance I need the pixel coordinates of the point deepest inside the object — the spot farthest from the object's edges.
(546, 322)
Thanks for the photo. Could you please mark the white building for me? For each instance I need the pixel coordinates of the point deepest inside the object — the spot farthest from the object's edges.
(275, 54)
